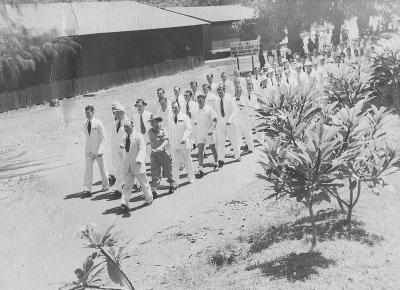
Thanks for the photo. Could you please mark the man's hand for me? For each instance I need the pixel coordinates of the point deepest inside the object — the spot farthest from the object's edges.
(122, 146)
(210, 132)
(228, 123)
(183, 142)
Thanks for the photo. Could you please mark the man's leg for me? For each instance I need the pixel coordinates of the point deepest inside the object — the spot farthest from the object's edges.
(88, 178)
(119, 173)
(167, 169)
(233, 137)
(248, 134)
(221, 138)
(176, 160)
(144, 183)
(103, 171)
(127, 190)
(189, 165)
(201, 155)
(155, 167)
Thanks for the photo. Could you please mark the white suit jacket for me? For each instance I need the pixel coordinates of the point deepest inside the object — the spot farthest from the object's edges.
(137, 153)
(116, 139)
(229, 109)
(95, 141)
(136, 121)
(181, 131)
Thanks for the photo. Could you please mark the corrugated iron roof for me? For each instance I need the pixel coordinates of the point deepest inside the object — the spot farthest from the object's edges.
(216, 13)
(82, 18)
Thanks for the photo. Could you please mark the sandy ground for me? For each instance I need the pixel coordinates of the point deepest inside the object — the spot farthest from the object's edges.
(41, 171)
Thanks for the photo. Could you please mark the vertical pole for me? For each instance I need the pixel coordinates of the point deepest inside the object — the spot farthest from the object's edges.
(252, 61)
(237, 61)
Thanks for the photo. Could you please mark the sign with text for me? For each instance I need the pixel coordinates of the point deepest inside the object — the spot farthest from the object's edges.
(244, 48)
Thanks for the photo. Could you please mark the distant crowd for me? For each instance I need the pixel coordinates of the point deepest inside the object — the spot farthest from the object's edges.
(201, 117)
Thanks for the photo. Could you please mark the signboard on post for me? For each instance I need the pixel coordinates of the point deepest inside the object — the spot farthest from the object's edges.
(242, 48)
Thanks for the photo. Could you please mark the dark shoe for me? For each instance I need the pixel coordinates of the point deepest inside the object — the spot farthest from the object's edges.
(200, 174)
(221, 163)
(86, 193)
(117, 193)
(124, 208)
(194, 146)
(111, 180)
(238, 160)
(172, 189)
(154, 195)
(216, 167)
(245, 148)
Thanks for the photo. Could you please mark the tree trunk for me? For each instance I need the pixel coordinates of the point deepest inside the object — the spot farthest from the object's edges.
(295, 43)
(340, 203)
(336, 34)
(313, 225)
(351, 205)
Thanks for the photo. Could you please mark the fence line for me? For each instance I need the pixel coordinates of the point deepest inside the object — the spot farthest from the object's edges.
(43, 93)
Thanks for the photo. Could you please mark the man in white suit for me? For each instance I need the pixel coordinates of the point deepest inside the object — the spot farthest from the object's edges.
(182, 130)
(117, 153)
(134, 165)
(243, 118)
(226, 113)
(94, 150)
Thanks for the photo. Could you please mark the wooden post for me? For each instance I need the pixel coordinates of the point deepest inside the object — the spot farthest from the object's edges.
(237, 60)
(252, 61)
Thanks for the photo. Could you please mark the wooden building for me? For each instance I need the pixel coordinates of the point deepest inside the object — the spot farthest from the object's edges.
(120, 42)
(219, 34)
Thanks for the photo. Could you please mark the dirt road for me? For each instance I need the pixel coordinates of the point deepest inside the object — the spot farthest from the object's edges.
(41, 176)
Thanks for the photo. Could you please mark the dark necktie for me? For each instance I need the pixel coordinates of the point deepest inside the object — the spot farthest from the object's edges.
(176, 119)
(188, 110)
(127, 143)
(222, 108)
(142, 127)
(89, 127)
(249, 97)
(119, 125)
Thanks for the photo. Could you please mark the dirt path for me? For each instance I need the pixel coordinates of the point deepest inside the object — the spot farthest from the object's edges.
(41, 174)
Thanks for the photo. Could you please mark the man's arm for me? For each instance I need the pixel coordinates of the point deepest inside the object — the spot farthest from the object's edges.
(141, 156)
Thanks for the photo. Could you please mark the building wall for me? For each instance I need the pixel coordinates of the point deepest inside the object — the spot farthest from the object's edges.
(105, 60)
(220, 34)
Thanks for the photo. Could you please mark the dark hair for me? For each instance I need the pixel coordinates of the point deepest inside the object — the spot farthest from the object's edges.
(206, 85)
(210, 75)
(138, 101)
(189, 92)
(90, 108)
(160, 89)
(201, 96)
(194, 83)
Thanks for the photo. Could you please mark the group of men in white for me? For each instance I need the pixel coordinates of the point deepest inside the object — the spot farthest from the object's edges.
(196, 118)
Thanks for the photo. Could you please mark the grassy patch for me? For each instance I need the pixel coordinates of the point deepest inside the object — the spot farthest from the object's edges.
(330, 226)
(294, 267)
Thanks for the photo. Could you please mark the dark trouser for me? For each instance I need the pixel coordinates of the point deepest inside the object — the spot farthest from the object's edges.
(160, 160)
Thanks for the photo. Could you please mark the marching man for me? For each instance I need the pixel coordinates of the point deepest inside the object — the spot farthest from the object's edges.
(94, 150)
(206, 119)
(117, 153)
(134, 165)
(243, 118)
(159, 157)
(181, 146)
(226, 114)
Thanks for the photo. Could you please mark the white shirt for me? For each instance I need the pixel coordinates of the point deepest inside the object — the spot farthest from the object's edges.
(95, 141)
(181, 130)
(136, 121)
(204, 118)
(229, 109)
(211, 100)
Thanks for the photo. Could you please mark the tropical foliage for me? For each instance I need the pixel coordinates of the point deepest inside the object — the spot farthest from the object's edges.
(320, 144)
(109, 252)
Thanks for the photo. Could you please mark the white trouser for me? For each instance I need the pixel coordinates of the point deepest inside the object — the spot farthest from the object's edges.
(129, 181)
(118, 169)
(88, 179)
(254, 123)
(179, 155)
(245, 130)
(222, 131)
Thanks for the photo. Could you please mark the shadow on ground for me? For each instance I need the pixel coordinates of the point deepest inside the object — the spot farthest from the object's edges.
(294, 267)
(330, 226)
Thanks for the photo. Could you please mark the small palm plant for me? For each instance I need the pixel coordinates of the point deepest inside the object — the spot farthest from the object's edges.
(109, 253)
